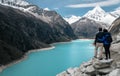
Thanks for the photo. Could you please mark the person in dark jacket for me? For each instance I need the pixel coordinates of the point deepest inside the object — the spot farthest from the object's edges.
(107, 39)
(99, 43)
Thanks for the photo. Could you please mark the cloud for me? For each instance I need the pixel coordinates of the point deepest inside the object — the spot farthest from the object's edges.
(56, 8)
(101, 3)
(47, 9)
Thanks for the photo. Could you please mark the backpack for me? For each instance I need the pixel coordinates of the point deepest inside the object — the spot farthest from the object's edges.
(107, 38)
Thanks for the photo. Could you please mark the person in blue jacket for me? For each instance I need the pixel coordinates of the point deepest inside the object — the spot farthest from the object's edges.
(107, 39)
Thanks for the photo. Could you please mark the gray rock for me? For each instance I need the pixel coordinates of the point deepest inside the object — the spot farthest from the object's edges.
(64, 73)
(70, 71)
(90, 70)
(115, 72)
(101, 64)
(115, 47)
(82, 68)
(105, 71)
(77, 74)
(87, 63)
(118, 64)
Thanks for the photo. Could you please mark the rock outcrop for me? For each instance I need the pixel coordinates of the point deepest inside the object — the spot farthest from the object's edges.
(115, 30)
(94, 67)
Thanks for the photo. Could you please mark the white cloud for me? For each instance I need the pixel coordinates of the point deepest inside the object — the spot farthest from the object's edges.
(56, 8)
(72, 19)
(47, 9)
(101, 3)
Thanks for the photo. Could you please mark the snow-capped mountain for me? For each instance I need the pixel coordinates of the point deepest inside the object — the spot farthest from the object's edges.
(72, 19)
(43, 14)
(116, 13)
(98, 14)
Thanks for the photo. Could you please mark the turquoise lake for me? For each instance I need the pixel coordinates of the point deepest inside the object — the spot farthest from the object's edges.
(54, 61)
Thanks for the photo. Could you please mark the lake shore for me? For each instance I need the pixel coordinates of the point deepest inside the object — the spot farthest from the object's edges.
(24, 57)
(69, 41)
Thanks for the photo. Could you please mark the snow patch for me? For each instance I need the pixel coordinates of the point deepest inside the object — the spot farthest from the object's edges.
(116, 13)
(47, 9)
(72, 19)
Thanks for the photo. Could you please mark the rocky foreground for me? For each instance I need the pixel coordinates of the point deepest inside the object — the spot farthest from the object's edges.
(96, 67)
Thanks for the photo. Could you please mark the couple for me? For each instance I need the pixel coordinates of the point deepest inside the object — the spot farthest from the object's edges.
(103, 39)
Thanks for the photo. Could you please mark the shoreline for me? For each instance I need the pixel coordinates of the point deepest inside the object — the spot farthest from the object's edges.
(24, 57)
(68, 41)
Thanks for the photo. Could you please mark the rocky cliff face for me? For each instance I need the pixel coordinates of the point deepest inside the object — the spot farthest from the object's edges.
(86, 28)
(22, 31)
(52, 18)
(115, 29)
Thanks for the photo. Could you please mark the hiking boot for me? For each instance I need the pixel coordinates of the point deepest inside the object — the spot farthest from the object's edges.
(100, 58)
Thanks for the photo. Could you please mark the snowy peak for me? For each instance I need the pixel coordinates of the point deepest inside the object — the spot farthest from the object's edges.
(98, 14)
(72, 19)
(98, 9)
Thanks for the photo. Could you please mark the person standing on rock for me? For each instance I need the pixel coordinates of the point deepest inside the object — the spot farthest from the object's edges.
(107, 39)
(98, 42)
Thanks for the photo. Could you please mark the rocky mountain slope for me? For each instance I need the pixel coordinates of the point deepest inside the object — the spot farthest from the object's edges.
(87, 28)
(115, 29)
(22, 30)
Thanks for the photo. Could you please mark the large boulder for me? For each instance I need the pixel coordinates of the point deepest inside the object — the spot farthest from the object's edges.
(101, 64)
(115, 72)
(105, 71)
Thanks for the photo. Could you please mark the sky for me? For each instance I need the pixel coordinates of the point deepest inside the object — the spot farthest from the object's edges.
(67, 8)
